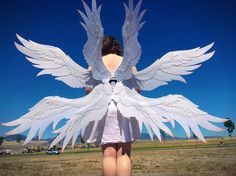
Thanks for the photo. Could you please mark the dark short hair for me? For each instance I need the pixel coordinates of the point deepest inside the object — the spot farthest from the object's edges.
(110, 45)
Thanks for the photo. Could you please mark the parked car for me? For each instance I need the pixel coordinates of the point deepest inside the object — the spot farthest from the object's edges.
(52, 152)
(5, 152)
(24, 150)
(2, 152)
(30, 150)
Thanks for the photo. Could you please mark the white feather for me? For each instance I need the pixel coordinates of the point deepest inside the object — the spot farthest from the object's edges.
(55, 62)
(132, 48)
(171, 67)
(93, 47)
(151, 112)
(79, 113)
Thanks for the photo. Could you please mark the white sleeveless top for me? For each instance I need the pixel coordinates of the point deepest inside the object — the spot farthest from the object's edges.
(112, 128)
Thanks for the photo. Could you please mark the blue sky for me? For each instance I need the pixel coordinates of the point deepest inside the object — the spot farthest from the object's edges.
(170, 25)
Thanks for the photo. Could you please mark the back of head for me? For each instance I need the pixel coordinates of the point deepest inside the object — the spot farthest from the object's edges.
(111, 46)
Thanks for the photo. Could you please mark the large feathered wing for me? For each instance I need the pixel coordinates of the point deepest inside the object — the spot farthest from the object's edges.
(93, 47)
(79, 113)
(154, 112)
(171, 67)
(55, 62)
(132, 48)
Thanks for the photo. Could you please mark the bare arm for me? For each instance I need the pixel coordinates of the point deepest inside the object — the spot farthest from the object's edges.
(134, 70)
(89, 89)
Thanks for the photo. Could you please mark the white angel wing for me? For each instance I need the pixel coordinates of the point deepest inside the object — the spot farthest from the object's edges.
(153, 112)
(132, 48)
(93, 47)
(55, 62)
(53, 109)
(171, 67)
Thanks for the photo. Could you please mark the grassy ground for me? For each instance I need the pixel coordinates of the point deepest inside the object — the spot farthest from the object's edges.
(148, 158)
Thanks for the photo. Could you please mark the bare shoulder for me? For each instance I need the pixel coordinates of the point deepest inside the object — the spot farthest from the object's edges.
(111, 61)
(111, 56)
(120, 57)
(134, 69)
(90, 68)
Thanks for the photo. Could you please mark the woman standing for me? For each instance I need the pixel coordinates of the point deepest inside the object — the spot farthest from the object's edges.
(115, 133)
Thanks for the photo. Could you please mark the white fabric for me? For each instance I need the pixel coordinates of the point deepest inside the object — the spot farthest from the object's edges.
(113, 128)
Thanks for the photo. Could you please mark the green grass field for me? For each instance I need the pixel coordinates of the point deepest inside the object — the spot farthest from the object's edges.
(171, 158)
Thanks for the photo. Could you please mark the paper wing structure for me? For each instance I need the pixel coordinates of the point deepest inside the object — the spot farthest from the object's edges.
(93, 47)
(79, 113)
(171, 67)
(155, 112)
(54, 62)
(132, 48)
(152, 112)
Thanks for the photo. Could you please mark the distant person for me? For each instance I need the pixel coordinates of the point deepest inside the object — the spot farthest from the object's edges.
(221, 142)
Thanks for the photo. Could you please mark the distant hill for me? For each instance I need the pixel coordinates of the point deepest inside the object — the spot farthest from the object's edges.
(49, 140)
(14, 137)
(144, 136)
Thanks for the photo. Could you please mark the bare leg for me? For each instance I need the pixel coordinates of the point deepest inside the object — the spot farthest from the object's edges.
(123, 160)
(109, 159)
